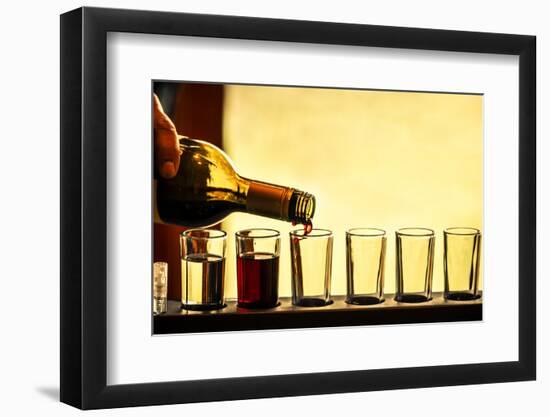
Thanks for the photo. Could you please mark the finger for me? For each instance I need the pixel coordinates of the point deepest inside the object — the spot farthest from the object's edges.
(167, 152)
(161, 119)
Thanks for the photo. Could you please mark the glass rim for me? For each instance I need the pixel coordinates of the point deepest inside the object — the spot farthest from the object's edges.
(272, 233)
(409, 231)
(313, 233)
(212, 234)
(366, 232)
(462, 231)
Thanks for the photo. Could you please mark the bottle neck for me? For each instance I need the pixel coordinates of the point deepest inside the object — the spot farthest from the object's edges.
(301, 207)
(279, 202)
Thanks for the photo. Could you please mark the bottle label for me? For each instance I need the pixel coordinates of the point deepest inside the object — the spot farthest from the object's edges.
(268, 200)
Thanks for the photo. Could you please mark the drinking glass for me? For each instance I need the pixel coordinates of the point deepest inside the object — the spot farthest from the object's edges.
(258, 267)
(160, 287)
(365, 257)
(414, 264)
(461, 262)
(311, 257)
(202, 269)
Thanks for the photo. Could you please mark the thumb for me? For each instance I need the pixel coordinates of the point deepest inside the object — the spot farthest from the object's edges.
(167, 152)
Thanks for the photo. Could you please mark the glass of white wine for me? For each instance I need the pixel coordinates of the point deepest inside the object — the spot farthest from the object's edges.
(202, 269)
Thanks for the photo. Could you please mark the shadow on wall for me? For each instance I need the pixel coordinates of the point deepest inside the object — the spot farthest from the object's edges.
(50, 392)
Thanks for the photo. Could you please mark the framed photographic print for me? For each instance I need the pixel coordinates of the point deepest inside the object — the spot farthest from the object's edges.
(259, 207)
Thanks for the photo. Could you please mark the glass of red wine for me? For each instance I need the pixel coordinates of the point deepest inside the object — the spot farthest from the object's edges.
(258, 268)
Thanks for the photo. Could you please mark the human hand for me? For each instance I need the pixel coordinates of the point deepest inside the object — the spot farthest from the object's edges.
(167, 151)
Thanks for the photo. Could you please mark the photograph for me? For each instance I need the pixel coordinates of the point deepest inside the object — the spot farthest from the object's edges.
(292, 207)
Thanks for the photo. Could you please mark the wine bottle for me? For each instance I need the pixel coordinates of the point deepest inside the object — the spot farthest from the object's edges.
(206, 189)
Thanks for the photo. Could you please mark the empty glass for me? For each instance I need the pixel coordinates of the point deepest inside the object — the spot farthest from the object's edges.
(365, 258)
(258, 267)
(311, 257)
(461, 257)
(202, 269)
(414, 264)
(160, 287)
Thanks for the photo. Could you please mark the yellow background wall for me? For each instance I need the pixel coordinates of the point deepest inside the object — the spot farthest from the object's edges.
(371, 158)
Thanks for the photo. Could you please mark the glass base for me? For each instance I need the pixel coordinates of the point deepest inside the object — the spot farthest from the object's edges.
(257, 306)
(312, 302)
(203, 307)
(412, 298)
(160, 305)
(364, 300)
(461, 296)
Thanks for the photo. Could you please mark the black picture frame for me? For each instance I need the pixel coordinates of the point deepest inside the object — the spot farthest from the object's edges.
(83, 207)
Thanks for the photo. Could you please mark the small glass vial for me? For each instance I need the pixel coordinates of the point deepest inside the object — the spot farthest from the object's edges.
(160, 287)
